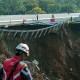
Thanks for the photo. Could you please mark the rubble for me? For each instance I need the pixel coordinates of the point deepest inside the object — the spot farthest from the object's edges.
(52, 57)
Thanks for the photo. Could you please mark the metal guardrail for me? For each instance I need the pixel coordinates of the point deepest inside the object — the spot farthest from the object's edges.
(38, 32)
(18, 19)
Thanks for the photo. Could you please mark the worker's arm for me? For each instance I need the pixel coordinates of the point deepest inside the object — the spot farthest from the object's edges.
(26, 74)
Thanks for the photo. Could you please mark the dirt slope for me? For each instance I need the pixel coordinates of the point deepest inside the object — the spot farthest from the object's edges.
(58, 53)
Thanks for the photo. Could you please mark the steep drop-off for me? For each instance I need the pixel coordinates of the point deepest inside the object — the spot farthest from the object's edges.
(58, 53)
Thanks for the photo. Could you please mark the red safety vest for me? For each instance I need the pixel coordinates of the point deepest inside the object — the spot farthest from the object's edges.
(52, 20)
(8, 64)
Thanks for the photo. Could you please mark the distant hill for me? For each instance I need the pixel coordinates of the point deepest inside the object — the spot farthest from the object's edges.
(8, 7)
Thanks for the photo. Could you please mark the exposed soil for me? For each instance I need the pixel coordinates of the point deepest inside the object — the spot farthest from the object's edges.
(58, 53)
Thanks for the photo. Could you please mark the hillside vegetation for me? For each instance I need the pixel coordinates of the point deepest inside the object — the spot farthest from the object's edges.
(8, 7)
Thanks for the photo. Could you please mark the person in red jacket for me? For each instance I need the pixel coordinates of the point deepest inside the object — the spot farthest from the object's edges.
(21, 71)
(52, 18)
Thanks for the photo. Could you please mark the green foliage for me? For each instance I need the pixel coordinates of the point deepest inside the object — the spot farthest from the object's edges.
(68, 8)
(38, 6)
(12, 7)
(46, 5)
(37, 10)
(30, 4)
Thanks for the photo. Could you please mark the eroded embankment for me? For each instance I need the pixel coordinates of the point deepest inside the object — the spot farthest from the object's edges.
(58, 54)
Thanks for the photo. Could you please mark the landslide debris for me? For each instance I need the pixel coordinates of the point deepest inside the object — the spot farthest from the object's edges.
(58, 53)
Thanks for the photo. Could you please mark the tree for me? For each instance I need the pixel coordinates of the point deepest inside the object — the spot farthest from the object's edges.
(4, 8)
(12, 7)
(30, 4)
(17, 7)
(46, 4)
(37, 10)
(69, 8)
(39, 6)
(57, 8)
